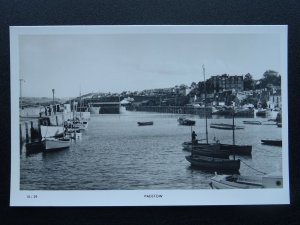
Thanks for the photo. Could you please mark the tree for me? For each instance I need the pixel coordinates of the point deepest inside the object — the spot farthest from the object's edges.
(248, 82)
(193, 85)
(270, 77)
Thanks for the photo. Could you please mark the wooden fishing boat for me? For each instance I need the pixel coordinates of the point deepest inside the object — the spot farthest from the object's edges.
(208, 162)
(214, 164)
(246, 182)
(272, 142)
(233, 149)
(186, 122)
(210, 151)
(237, 149)
(145, 123)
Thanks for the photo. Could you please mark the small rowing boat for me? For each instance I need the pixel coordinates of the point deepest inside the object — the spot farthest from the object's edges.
(145, 123)
(225, 126)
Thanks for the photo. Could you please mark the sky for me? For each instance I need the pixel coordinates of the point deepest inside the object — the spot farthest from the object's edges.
(129, 62)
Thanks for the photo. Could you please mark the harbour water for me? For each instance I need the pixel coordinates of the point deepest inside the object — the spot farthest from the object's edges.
(117, 154)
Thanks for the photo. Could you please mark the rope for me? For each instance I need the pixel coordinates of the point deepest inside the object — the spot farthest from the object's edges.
(252, 167)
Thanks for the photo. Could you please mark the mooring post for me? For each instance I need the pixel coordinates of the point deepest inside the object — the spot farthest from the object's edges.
(26, 133)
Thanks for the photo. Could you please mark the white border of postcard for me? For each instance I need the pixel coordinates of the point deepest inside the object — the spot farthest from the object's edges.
(142, 197)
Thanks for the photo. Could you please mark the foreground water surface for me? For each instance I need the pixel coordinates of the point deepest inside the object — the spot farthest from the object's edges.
(116, 154)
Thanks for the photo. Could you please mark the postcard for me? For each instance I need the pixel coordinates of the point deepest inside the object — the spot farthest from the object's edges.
(149, 115)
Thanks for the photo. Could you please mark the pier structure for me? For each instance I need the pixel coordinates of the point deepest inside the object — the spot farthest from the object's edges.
(201, 111)
(29, 127)
(104, 107)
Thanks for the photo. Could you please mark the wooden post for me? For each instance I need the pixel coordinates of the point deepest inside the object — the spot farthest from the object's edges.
(21, 138)
(26, 133)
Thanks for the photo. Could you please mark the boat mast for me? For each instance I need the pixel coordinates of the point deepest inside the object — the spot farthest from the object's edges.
(233, 128)
(233, 134)
(205, 105)
(80, 102)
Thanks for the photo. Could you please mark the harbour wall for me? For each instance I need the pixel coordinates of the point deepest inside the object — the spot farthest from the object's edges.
(175, 109)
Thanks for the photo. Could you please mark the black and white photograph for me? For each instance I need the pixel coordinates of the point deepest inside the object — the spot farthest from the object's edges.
(149, 115)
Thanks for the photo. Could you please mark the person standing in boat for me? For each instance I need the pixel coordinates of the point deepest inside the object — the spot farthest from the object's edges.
(194, 135)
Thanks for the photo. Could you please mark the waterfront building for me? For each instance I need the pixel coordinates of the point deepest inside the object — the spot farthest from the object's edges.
(274, 101)
(226, 82)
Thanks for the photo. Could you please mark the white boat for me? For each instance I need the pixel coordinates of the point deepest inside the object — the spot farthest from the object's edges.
(74, 134)
(80, 124)
(51, 131)
(246, 182)
(76, 124)
(55, 143)
(225, 126)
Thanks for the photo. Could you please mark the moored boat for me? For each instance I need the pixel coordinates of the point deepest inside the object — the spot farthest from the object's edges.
(76, 124)
(212, 163)
(215, 164)
(186, 122)
(252, 122)
(51, 131)
(225, 126)
(145, 123)
(210, 151)
(233, 149)
(73, 134)
(272, 142)
(55, 143)
(246, 182)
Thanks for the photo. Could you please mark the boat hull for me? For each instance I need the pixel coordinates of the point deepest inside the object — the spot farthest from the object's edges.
(227, 182)
(234, 149)
(246, 182)
(214, 164)
(225, 126)
(211, 153)
(272, 142)
(56, 144)
(186, 122)
(253, 122)
(51, 131)
(145, 123)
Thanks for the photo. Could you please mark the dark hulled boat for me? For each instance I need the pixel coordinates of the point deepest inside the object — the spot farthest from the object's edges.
(272, 142)
(252, 122)
(186, 122)
(210, 151)
(145, 123)
(233, 149)
(211, 162)
(214, 164)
